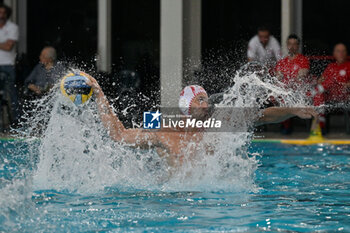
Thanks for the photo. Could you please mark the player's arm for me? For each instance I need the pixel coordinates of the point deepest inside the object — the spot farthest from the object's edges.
(114, 126)
(7, 45)
(279, 114)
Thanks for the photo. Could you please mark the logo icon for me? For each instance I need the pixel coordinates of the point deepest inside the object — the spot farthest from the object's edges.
(151, 120)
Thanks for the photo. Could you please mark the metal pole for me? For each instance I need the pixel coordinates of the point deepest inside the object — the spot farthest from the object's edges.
(104, 48)
(22, 26)
(286, 22)
(171, 51)
(192, 36)
(298, 20)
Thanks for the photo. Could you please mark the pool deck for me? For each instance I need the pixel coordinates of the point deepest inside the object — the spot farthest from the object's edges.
(299, 135)
(302, 139)
(261, 136)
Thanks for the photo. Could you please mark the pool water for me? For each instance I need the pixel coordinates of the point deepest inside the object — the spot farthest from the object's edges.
(300, 188)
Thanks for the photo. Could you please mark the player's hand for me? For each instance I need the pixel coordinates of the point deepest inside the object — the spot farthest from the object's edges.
(94, 84)
(305, 113)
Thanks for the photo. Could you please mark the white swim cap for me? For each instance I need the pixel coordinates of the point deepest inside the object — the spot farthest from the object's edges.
(186, 97)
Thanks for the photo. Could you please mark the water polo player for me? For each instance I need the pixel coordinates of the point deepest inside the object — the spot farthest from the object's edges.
(173, 145)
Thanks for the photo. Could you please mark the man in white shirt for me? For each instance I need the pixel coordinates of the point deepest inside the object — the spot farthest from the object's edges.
(264, 48)
(8, 39)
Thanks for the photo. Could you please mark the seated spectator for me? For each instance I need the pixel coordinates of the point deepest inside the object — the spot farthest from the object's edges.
(336, 78)
(292, 71)
(264, 48)
(334, 84)
(46, 73)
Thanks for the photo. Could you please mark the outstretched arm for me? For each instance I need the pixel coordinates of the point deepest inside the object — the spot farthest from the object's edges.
(279, 114)
(114, 126)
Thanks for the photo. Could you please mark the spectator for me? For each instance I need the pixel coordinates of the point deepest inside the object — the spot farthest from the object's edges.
(294, 68)
(292, 71)
(46, 73)
(8, 39)
(334, 84)
(264, 48)
(336, 77)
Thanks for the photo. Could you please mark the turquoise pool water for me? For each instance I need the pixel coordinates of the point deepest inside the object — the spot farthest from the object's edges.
(303, 188)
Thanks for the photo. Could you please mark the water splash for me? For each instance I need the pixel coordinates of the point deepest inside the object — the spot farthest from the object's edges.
(68, 150)
(254, 86)
(75, 153)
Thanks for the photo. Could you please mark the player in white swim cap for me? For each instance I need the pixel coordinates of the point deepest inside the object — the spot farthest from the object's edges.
(194, 97)
(171, 144)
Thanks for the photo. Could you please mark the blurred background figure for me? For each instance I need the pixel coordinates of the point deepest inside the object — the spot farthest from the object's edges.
(46, 73)
(264, 48)
(293, 71)
(336, 77)
(8, 38)
(334, 84)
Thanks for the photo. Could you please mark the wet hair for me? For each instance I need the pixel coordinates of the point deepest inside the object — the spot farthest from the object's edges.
(295, 37)
(263, 28)
(7, 9)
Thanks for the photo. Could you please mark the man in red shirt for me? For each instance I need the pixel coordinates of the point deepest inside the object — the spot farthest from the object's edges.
(336, 77)
(293, 71)
(334, 84)
(294, 68)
